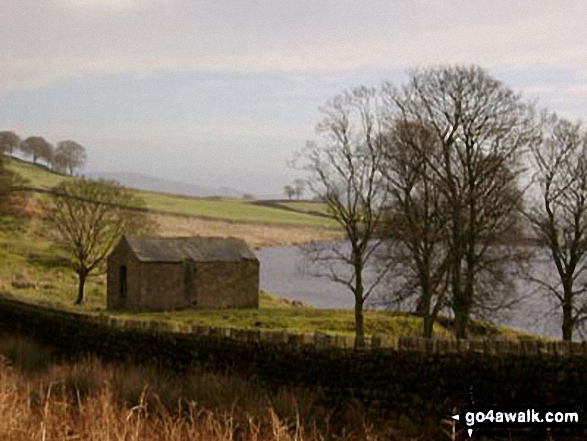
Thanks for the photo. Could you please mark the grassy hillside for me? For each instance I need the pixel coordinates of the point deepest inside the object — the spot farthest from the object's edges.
(229, 209)
(212, 208)
(31, 268)
(35, 176)
(305, 206)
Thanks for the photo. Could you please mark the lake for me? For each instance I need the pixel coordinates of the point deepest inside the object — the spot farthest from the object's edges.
(286, 273)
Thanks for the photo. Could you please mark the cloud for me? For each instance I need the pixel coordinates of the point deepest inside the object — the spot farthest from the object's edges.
(78, 38)
(92, 5)
(73, 38)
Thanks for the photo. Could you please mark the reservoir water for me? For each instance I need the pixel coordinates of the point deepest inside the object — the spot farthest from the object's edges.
(286, 273)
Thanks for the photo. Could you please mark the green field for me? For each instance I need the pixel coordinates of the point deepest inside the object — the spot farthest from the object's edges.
(35, 176)
(229, 209)
(213, 208)
(33, 269)
(305, 206)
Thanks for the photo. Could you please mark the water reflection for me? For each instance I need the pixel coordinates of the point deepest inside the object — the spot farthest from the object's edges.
(285, 272)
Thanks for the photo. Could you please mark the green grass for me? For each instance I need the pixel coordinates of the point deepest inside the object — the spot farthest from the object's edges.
(32, 269)
(229, 209)
(296, 319)
(35, 175)
(306, 206)
(213, 208)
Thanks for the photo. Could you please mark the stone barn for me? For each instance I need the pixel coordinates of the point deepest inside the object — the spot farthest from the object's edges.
(157, 273)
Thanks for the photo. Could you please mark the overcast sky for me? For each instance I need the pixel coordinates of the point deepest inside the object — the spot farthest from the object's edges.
(221, 92)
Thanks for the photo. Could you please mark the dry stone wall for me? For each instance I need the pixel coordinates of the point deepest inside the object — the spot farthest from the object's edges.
(408, 376)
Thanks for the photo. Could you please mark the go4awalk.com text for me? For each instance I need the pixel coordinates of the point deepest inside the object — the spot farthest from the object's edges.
(475, 417)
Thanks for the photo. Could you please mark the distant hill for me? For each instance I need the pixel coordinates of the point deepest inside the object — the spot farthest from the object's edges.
(163, 199)
(145, 182)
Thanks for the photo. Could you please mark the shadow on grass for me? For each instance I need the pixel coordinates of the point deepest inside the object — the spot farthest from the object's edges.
(12, 224)
(48, 260)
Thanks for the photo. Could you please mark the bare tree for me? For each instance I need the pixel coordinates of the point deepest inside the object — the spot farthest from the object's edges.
(9, 141)
(559, 216)
(344, 172)
(70, 156)
(416, 222)
(87, 218)
(37, 147)
(482, 128)
(59, 162)
(289, 191)
(299, 187)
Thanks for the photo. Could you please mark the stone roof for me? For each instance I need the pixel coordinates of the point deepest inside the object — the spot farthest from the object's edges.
(199, 249)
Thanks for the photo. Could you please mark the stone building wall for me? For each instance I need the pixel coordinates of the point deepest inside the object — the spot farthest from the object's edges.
(123, 255)
(227, 284)
(158, 286)
(162, 286)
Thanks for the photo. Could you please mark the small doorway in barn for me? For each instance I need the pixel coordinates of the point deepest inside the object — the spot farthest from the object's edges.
(188, 282)
(122, 278)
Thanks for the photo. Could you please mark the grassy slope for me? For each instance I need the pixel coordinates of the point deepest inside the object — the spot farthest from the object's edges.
(35, 175)
(228, 209)
(214, 208)
(32, 268)
(306, 206)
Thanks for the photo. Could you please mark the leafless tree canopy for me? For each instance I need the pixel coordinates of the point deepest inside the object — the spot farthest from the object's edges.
(87, 218)
(69, 156)
(415, 222)
(344, 172)
(289, 191)
(9, 141)
(37, 148)
(299, 187)
(480, 129)
(559, 215)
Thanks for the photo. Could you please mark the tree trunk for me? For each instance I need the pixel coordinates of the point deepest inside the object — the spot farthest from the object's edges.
(567, 316)
(460, 307)
(359, 300)
(461, 323)
(462, 310)
(359, 325)
(465, 301)
(80, 292)
(428, 326)
(423, 308)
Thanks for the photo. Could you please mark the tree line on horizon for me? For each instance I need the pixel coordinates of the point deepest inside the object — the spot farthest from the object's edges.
(433, 184)
(296, 189)
(65, 157)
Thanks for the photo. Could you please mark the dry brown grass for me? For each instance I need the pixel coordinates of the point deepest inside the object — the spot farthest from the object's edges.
(256, 235)
(90, 400)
